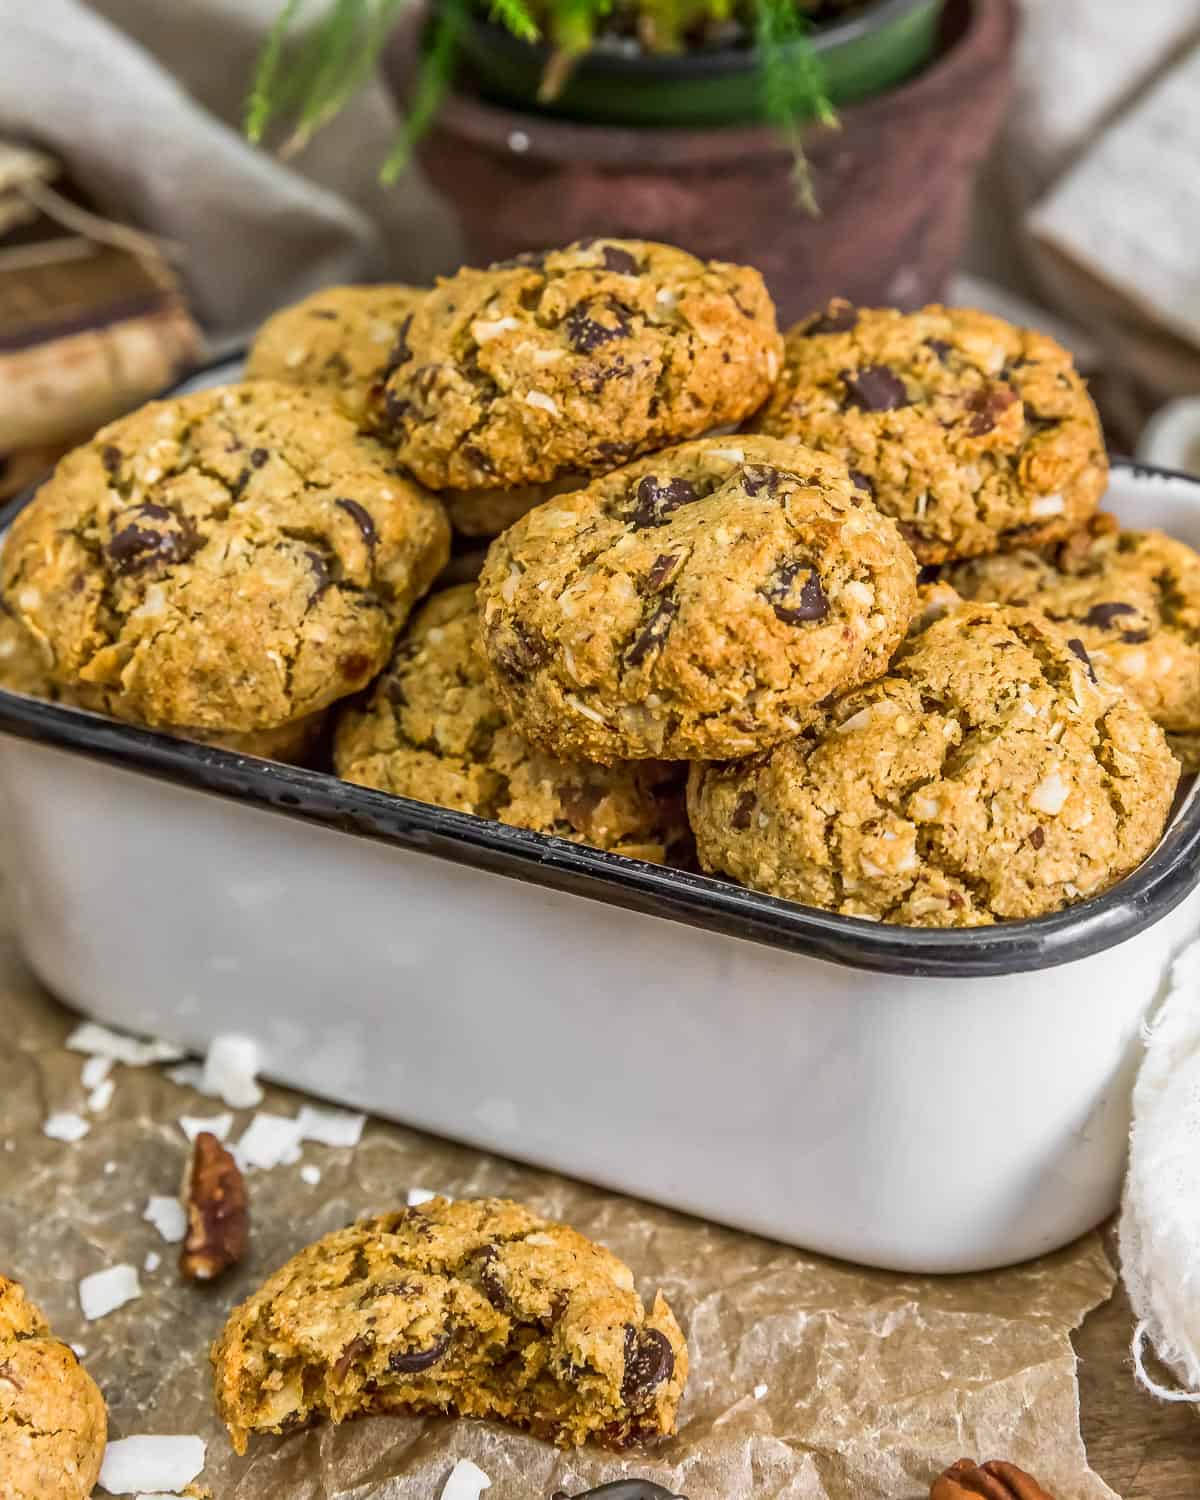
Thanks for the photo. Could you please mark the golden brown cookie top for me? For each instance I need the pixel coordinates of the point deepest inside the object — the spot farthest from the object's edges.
(479, 1307)
(693, 603)
(229, 561)
(53, 1422)
(342, 340)
(987, 776)
(1132, 598)
(434, 731)
(577, 360)
(974, 434)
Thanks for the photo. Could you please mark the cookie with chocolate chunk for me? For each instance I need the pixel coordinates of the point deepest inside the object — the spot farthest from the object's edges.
(575, 361)
(475, 1308)
(1130, 598)
(224, 564)
(52, 1418)
(434, 731)
(692, 604)
(344, 341)
(987, 776)
(977, 436)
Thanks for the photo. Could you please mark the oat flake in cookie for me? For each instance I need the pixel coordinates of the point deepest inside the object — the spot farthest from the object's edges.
(472, 1308)
(692, 604)
(977, 436)
(434, 731)
(986, 776)
(577, 360)
(344, 341)
(228, 563)
(1131, 598)
(52, 1418)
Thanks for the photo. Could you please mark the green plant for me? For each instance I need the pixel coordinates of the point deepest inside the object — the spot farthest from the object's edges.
(304, 86)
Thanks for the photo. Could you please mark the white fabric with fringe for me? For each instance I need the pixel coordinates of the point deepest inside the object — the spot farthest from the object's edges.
(1160, 1220)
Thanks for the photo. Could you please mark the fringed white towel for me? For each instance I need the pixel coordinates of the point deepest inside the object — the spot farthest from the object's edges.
(1160, 1221)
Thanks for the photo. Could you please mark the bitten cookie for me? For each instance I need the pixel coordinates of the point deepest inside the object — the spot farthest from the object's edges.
(228, 563)
(577, 360)
(474, 1308)
(343, 341)
(692, 604)
(53, 1423)
(987, 776)
(434, 731)
(975, 435)
(1132, 598)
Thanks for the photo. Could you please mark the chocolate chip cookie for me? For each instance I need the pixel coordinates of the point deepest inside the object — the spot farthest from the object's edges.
(577, 360)
(1131, 598)
(434, 731)
(344, 341)
(473, 1308)
(987, 776)
(486, 513)
(53, 1423)
(24, 666)
(227, 563)
(977, 436)
(692, 604)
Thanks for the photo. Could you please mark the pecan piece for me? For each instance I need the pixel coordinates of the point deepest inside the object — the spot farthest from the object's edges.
(991, 1481)
(218, 1216)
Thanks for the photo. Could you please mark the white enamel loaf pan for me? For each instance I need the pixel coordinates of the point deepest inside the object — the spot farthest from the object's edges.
(918, 1100)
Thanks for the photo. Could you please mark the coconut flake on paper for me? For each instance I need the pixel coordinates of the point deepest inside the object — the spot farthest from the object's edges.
(104, 1291)
(151, 1464)
(269, 1141)
(330, 1127)
(65, 1126)
(194, 1125)
(467, 1481)
(117, 1046)
(168, 1217)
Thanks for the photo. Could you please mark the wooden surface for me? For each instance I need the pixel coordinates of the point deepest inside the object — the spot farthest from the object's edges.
(1144, 1449)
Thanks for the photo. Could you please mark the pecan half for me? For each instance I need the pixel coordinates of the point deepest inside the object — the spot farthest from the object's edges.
(218, 1216)
(991, 1481)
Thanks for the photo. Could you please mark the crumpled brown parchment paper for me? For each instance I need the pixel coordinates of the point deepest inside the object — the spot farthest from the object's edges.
(874, 1382)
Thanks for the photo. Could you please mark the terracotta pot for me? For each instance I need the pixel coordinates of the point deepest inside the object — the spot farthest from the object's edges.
(894, 183)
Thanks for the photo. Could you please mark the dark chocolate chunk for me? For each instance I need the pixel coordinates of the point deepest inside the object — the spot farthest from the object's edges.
(744, 806)
(662, 570)
(400, 352)
(649, 1360)
(1135, 637)
(412, 1362)
(475, 455)
(586, 333)
(110, 457)
(986, 407)
(656, 501)
(1077, 648)
(862, 481)
(1038, 837)
(355, 1349)
(320, 570)
(258, 457)
(619, 260)
(362, 519)
(1102, 615)
(326, 313)
(527, 259)
(940, 347)
(796, 605)
(151, 535)
(838, 317)
(653, 633)
(757, 477)
(875, 388)
(930, 573)
(522, 652)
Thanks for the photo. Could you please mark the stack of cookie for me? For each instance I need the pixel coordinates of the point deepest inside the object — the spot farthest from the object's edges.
(704, 552)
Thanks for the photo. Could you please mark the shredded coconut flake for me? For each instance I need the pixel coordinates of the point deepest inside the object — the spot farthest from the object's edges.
(194, 1125)
(582, 708)
(310, 1174)
(94, 1071)
(856, 721)
(1047, 505)
(161, 1465)
(152, 1262)
(331, 1127)
(270, 1141)
(542, 402)
(100, 1041)
(65, 1126)
(231, 1072)
(734, 455)
(417, 1196)
(483, 331)
(861, 593)
(168, 1217)
(104, 1291)
(467, 1481)
(101, 1097)
(760, 1391)
(1050, 794)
